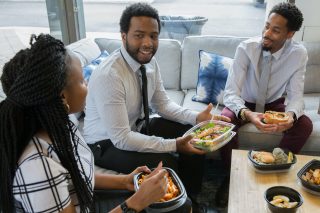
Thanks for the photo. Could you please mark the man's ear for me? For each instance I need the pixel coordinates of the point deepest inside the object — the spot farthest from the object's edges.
(290, 34)
(123, 37)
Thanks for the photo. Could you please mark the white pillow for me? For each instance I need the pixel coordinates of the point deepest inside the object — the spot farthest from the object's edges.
(85, 49)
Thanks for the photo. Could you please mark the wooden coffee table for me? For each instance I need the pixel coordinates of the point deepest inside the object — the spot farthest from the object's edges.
(247, 187)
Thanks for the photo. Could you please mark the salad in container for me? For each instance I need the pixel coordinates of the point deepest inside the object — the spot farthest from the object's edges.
(211, 135)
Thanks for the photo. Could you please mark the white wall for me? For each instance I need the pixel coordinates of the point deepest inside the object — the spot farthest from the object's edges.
(310, 30)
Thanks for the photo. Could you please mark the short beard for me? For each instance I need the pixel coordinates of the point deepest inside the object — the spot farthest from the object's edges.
(134, 54)
(266, 48)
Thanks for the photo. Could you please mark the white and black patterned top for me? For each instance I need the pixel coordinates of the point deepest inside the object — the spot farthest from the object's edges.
(42, 184)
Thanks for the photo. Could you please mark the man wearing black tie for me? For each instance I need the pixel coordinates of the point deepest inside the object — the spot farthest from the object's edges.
(121, 90)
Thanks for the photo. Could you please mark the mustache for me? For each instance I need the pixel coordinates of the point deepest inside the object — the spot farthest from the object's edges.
(147, 49)
(266, 38)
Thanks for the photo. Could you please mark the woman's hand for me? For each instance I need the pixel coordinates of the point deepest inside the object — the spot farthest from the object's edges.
(129, 177)
(145, 169)
(151, 190)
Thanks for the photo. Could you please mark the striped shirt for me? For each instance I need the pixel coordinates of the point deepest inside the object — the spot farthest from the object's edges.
(41, 183)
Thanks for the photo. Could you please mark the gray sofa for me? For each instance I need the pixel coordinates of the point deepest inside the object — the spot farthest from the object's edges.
(179, 69)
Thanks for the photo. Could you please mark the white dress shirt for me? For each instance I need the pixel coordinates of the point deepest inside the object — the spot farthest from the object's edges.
(114, 103)
(288, 67)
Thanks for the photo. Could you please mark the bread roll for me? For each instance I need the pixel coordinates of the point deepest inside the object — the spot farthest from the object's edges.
(264, 157)
(273, 117)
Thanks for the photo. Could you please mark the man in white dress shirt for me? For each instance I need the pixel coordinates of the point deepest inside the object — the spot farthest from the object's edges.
(114, 107)
(287, 67)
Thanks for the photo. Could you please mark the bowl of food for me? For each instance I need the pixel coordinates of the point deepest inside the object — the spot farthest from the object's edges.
(309, 177)
(211, 135)
(272, 160)
(282, 199)
(175, 196)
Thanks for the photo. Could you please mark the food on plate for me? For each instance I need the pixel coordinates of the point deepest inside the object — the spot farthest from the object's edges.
(172, 189)
(264, 157)
(282, 202)
(278, 156)
(281, 157)
(210, 131)
(312, 176)
(273, 117)
(290, 157)
(211, 135)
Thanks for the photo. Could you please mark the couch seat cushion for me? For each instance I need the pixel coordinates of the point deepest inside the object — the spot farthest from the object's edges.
(176, 96)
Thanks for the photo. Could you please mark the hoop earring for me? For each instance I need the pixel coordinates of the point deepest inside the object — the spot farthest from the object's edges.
(67, 108)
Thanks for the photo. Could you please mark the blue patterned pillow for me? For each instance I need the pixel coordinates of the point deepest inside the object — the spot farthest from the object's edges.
(212, 77)
(88, 69)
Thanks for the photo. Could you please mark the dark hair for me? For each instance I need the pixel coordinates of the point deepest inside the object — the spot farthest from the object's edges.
(291, 13)
(33, 80)
(137, 9)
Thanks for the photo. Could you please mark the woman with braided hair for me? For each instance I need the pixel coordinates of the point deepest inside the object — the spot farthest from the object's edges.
(45, 164)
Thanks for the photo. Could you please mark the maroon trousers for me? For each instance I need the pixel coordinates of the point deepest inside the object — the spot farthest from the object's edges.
(293, 139)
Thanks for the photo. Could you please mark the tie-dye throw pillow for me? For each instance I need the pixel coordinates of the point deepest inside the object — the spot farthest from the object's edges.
(212, 76)
(88, 69)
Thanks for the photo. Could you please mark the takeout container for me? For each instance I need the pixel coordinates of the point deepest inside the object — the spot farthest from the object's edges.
(169, 205)
(271, 167)
(215, 144)
(310, 187)
(292, 194)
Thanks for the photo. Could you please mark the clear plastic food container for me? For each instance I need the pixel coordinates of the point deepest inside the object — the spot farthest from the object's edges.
(211, 135)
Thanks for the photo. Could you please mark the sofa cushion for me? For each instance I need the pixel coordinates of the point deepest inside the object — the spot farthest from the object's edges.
(191, 45)
(85, 49)
(212, 76)
(312, 76)
(89, 68)
(194, 105)
(168, 57)
(176, 96)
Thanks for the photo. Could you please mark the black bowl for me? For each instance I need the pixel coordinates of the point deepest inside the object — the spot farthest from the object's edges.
(271, 167)
(314, 164)
(169, 205)
(292, 194)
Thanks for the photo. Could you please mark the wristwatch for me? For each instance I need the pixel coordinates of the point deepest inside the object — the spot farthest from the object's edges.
(125, 208)
(242, 115)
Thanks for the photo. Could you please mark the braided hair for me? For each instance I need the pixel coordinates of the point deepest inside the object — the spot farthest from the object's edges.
(33, 81)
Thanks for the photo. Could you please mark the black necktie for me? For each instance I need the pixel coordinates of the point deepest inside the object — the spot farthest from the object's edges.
(145, 97)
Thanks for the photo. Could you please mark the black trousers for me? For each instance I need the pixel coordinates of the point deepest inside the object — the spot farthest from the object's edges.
(190, 168)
